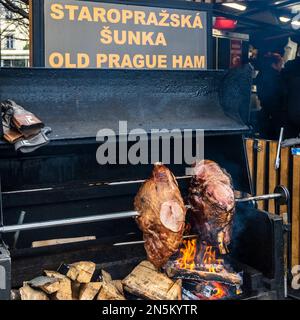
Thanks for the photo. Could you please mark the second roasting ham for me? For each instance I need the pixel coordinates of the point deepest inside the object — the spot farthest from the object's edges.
(211, 197)
(162, 215)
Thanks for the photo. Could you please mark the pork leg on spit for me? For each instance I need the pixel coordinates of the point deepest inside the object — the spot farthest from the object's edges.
(211, 198)
(161, 215)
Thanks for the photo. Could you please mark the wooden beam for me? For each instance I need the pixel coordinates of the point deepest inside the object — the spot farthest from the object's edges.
(284, 172)
(296, 211)
(273, 173)
(250, 157)
(261, 170)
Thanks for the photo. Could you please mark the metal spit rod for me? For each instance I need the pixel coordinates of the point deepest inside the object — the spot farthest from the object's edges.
(260, 198)
(102, 217)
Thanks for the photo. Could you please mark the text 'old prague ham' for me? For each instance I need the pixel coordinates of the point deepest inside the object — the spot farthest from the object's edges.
(162, 215)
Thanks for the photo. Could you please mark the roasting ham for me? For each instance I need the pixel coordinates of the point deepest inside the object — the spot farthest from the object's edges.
(211, 197)
(162, 215)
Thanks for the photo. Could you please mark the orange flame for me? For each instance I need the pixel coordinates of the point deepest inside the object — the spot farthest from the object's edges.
(188, 254)
(203, 257)
(189, 259)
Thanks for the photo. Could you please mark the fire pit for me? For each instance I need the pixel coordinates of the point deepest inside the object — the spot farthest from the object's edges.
(204, 275)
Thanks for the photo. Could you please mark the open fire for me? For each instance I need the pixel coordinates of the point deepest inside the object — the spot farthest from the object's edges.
(205, 276)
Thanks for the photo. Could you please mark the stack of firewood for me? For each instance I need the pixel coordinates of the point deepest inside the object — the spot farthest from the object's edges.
(77, 281)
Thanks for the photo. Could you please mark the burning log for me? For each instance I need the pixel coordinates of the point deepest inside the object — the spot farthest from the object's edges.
(224, 276)
(209, 267)
(145, 281)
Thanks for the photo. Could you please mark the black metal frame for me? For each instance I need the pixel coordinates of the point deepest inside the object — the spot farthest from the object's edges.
(5, 273)
(5, 261)
(38, 25)
(1, 124)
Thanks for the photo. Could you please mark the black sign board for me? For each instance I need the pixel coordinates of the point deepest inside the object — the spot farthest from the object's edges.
(121, 35)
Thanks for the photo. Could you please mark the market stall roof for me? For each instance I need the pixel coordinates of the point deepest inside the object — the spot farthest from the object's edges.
(268, 19)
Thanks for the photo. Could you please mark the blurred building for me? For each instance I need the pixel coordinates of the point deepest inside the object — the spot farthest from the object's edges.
(14, 31)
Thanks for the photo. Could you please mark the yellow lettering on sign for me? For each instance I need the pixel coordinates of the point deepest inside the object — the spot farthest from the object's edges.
(120, 40)
(101, 59)
(113, 16)
(57, 12)
(99, 15)
(186, 21)
(139, 17)
(72, 9)
(147, 38)
(126, 62)
(126, 15)
(106, 36)
(161, 40)
(199, 62)
(151, 63)
(175, 20)
(138, 61)
(56, 60)
(177, 61)
(68, 63)
(197, 22)
(196, 62)
(85, 14)
(188, 63)
(134, 38)
(83, 60)
(114, 61)
(164, 18)
(152, 19)
(162, 62)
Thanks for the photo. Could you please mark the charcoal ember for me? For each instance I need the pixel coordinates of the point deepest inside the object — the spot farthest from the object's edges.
(212, 203)
(162, 215)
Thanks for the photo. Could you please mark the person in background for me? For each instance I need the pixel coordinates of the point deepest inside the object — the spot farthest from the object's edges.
(291, 80)
(270, 92)
(292, 67)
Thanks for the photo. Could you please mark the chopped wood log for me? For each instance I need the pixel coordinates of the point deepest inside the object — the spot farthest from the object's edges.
(65, 286)
(27, 293)
(81, 271)
(106, 276)
(197, 275)
(89, 291)
(54, 274)
(145, 281)
(108, 291)
(76, 287)
(65, 290)
(118, 284)
(48, 284)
